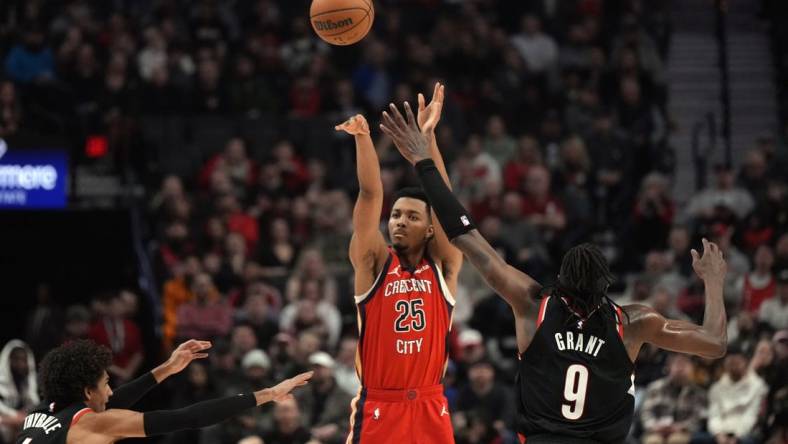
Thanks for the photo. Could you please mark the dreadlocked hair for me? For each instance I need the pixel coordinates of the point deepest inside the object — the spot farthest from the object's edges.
(584, 279)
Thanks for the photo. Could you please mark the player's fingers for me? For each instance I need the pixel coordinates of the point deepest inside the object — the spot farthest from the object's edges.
(397, 115)
(200, 355)
(195, 345)
(436, 90)
(705, 245)
(694, 254)
(409, 114)
(421, 102)
(442, 92)
(388, 121)
(385, 130)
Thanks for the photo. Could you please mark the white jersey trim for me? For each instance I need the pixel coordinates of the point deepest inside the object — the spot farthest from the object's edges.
(359, 298)
(445, 288)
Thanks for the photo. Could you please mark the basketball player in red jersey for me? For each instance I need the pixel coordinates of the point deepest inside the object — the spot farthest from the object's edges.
(404, 301)
(577, 347)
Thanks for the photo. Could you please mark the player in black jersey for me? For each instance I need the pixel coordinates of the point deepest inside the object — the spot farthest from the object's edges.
(576, 347)
(82, 408)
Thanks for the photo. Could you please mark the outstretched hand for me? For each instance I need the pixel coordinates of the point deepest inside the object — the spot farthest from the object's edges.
(428, 116)
(281, 391)
(711, 266)
(185, 354)
(356, 125)
(409, 140)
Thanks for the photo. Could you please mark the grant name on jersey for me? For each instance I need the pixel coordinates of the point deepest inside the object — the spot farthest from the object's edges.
(571, 341)
(42, 421)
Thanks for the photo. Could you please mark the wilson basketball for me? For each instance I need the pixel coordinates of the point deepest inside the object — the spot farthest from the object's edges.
(342, 22)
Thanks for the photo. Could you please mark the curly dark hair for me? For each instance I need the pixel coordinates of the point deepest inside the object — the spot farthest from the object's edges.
(67, 370)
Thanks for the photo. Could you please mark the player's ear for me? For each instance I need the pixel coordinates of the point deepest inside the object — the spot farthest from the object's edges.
(430, 232)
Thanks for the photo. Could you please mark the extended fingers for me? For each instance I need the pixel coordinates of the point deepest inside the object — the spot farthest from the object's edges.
(397, 115)
(409, 114)
(421, 102)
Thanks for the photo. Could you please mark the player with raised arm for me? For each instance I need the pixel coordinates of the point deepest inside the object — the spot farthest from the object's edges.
(576, 347)
(404, 301)
(82, 408)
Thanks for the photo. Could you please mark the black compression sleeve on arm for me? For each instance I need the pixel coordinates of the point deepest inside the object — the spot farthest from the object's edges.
(125, 396)
(454, 219)
(197, 415)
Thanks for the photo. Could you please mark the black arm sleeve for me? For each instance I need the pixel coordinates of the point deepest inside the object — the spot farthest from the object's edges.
(454, 219)
(196, 416)
(125, 396)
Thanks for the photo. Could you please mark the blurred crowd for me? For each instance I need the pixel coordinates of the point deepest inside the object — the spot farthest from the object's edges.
(555, 131)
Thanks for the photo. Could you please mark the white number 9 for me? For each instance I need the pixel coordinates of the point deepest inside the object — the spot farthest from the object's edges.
(575, 391)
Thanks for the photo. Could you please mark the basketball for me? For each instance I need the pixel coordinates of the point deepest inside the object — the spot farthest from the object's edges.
(341, 22)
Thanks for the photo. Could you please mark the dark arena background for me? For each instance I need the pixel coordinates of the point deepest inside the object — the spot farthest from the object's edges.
(170, 169)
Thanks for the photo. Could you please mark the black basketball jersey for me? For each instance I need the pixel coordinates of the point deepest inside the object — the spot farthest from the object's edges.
(41, 426)
(576, 378)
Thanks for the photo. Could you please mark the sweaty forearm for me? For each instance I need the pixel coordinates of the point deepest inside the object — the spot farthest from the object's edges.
(197, 415)
(714, 317)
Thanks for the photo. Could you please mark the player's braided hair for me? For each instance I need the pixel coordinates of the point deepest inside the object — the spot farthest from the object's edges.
(67, 370)
(584, 279)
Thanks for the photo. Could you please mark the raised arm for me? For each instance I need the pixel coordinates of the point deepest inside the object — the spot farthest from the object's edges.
(428, 117)
(708, 340)
(128, 394)
(516, 287)
(118, 424)
(367, 246)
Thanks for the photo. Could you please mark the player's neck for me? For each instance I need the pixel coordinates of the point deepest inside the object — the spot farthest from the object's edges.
(411, 258)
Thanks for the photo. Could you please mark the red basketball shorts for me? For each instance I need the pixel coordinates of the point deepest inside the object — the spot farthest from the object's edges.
(413, 416)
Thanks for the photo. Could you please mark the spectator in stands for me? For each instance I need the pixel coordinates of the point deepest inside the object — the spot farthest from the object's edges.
(754, 174)
(541, 208)
(707, 204)
(77, 323)
(497, 141)
(613, 157)
(483, 395)
(345, 368)
(278, 255)
(530, 250)
(18, 387)
(207, 315)
(242, 341)
(325, 406)
(312, 312)
(653, 214)
(537, 48)
(31, 60)
(759, 284)
(288, 427)
(258, 313)
(516, 170)
(10, 110)
(177, 291)
(674, 406)
(735, 400)
(774, 311)
(121, 335)
(311, 266)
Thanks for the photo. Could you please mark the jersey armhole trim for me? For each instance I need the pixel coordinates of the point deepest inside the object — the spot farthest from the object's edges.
(620, 322)
(361, 298)
(542, 311)
(77, 416)
(444, 287)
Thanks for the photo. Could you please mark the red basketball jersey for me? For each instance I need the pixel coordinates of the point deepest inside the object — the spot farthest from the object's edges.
(404, 322)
